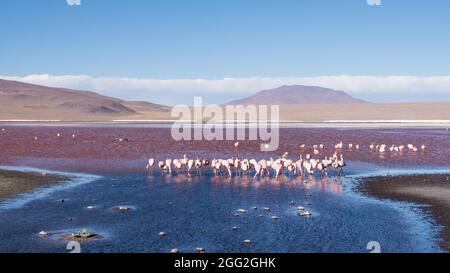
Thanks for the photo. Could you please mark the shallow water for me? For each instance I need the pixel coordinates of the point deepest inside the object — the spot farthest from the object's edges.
(201, 211)
(95, 150)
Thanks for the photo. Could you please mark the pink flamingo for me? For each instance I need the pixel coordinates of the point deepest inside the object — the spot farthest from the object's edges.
(150, 164)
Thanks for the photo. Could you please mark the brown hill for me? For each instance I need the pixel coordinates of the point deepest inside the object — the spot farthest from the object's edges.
(298, 94)
(20, 100)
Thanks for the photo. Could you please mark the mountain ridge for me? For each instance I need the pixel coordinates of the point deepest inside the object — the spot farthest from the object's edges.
(298, 94)
(29, 100)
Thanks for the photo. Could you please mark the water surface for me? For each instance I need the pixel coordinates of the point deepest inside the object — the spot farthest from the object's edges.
(201, 211)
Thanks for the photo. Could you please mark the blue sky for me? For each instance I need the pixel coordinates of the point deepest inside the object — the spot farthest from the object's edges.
(192, 39)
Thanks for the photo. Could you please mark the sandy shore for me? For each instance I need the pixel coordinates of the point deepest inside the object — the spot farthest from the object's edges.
(13, 182)
(433, 190)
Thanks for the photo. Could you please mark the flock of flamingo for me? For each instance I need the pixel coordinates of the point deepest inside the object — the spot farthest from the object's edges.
(281, 166)
(311, 164)
(241, 167)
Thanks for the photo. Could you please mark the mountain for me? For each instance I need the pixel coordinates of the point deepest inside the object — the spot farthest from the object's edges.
(23, 101)
(20, 100)
(298, 94)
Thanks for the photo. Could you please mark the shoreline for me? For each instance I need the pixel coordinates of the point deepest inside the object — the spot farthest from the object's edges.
(431, 190)
(40, 186)
(13, 183)
(289, 124)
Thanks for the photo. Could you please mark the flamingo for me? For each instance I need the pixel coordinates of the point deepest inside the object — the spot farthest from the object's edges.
(168, 165)
(150, 164)
(216, 166)
(327, 164)
(258, 169)
(237, 165)
(335, 156)
(190, 164)
(161, 165)
(291, 168)
(299, 165)
(339, 146)
(320, 167)
(177, 164)
(231, 162)
(277, 166)
(341, 162)
(226, 164)
(281, 166)
(184, 161)
(205, 162)
(270, 165)
(338, 164)
(244, 166)
(308, 167)
(253, 162)
(314, 163)
(198, 165)
(289, 165)
(264, 167)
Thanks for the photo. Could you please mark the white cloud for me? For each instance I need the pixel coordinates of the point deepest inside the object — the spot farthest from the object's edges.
(172, 91)
(374, 2)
